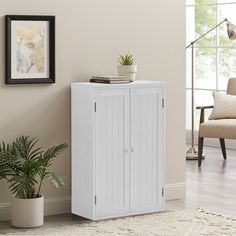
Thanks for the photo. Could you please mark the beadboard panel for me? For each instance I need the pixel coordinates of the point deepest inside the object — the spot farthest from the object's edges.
(112, 138)
(147, 144)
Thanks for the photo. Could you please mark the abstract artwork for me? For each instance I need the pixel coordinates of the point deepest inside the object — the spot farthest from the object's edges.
(30, 49)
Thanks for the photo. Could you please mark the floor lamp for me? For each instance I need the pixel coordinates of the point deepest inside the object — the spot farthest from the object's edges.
(192, 153)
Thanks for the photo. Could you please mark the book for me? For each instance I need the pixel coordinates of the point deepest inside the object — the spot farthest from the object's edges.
(105, 81)
(112, 78)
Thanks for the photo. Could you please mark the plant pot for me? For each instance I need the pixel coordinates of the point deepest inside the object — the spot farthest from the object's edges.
(27, 213)
(127, 70)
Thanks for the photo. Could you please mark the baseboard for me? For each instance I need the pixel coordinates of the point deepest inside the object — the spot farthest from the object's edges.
(52, 206)
(57, 206)
(62, 205)
(175, 191)
(5, 211)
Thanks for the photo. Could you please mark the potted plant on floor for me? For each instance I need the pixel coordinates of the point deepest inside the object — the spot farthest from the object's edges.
(127, 66)
(26, 167)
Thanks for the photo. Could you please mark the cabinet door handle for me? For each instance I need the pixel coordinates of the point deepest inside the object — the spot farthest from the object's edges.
(127, 150)
(132, 150)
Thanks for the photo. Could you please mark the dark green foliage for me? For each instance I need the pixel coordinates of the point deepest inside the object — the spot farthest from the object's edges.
(25, 167)
(126, 60)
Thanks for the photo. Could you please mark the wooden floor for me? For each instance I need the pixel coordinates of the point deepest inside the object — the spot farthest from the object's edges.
(213, 186)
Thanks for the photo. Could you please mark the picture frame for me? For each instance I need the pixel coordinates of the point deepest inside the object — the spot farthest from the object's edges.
(29, 49)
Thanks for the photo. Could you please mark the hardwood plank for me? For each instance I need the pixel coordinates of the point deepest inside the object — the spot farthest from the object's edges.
(213, 186)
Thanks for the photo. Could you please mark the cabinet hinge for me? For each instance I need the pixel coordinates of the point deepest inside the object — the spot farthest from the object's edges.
(95, 200)
(95, 106)
(163, 103)
(162, 192)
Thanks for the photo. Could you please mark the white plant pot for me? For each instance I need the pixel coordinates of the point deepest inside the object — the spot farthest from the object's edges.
(27, 213)
(127, 70)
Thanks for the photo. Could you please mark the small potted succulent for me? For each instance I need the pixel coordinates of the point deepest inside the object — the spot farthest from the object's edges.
(25, 167)
(127, 66)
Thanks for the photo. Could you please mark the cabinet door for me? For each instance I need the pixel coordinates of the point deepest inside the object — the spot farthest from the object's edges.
(112, 156)
(147, 143)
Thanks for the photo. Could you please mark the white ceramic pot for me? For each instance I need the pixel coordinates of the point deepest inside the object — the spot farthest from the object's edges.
(27, 213)
(127, 70)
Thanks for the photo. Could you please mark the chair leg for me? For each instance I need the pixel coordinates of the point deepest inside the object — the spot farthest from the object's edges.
(222, 144)
(200, 148)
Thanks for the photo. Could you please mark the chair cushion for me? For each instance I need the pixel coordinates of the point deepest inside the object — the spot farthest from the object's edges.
(223, 128)
(224, 106)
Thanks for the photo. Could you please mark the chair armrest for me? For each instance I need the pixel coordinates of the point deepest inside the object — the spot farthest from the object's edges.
(202, 114)
(204, 107)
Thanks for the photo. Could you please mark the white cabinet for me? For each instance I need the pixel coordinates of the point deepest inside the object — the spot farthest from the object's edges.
(117, 149)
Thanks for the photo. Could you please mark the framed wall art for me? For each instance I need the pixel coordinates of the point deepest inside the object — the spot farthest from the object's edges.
(30, 49)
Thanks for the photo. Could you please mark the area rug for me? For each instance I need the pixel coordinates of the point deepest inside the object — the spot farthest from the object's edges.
(196, 222)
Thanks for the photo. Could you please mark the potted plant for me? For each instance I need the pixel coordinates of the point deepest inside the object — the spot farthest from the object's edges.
(25, 167)
(127, 67)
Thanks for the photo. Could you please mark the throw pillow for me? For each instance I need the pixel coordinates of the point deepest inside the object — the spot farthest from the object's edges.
(224, 106)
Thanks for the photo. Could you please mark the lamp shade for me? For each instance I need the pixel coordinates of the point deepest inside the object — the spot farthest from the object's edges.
(231, 30)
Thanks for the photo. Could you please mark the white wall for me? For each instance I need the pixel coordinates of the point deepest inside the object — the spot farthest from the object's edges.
(89, 37)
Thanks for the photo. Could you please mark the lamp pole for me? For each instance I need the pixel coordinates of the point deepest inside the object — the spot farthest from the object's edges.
(192, 154)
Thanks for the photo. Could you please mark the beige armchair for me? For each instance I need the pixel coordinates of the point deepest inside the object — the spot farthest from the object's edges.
(221, 128)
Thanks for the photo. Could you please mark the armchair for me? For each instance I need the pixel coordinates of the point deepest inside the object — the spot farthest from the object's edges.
(218, 128)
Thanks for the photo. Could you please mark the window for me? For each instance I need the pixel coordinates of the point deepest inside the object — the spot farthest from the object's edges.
(215, 54)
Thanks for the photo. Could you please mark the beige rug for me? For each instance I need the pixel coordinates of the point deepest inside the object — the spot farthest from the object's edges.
(197, 222)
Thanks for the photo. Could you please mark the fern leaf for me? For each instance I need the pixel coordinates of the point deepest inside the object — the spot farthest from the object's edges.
(57, 180)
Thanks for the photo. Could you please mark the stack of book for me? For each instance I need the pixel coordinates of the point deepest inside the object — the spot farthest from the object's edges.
(110, 79)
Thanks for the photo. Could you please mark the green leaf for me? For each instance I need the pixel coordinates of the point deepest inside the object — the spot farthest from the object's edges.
(25, 166)
(30, 45)
(57, 180)
(52, 153)
(126, 59)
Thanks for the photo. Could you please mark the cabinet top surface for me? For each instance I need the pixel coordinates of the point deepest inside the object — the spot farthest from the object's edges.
(131, 84)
